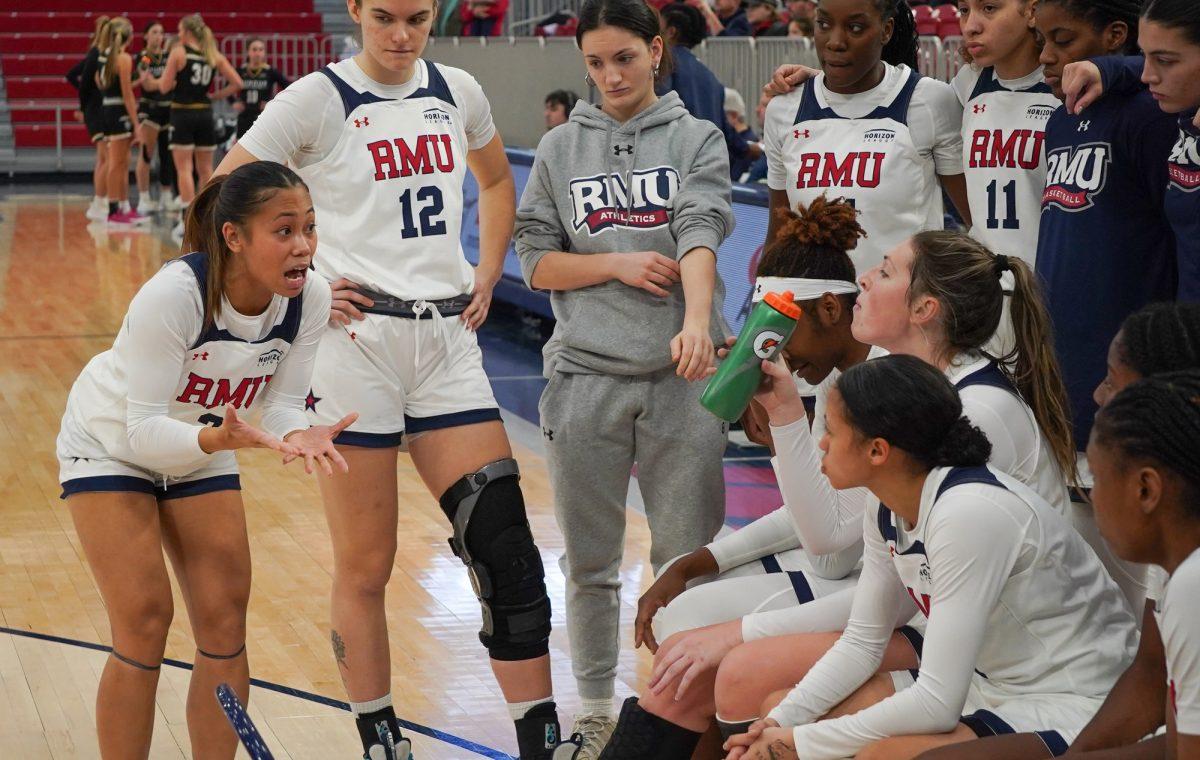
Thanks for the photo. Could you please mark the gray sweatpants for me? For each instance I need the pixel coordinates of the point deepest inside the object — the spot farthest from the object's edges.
(596, 427)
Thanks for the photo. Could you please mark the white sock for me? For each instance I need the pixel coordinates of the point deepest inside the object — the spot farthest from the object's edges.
(597, 707)
(99, 200)
(375, 705)
(125, 206)
(518, 710)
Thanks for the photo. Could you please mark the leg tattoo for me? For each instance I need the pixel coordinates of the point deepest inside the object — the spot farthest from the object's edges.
(339, 648)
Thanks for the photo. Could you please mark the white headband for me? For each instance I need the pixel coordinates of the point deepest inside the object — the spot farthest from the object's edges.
(802, 289)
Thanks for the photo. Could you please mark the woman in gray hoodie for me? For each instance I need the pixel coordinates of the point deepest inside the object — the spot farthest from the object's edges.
(621, 218)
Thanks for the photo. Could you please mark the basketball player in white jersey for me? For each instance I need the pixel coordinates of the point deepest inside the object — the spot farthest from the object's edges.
(1162, 338)
(1026, 631)
(146, 446)
(385, 140)
(795, 554)
(1147, 474)
(868, 128)
(1006, 105)
(938, 297)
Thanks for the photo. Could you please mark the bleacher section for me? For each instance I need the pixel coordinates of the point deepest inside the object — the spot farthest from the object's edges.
(41, 40)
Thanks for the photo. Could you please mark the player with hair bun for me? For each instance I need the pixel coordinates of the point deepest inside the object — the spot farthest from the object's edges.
(1029, 632)
(1160, 338)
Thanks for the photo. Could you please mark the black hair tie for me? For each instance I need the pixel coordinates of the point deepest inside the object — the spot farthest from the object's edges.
(1001, 264)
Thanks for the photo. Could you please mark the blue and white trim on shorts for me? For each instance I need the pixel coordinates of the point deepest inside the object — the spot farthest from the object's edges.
(414, 425)
(986, 723)
(131, 484)
(799, 581)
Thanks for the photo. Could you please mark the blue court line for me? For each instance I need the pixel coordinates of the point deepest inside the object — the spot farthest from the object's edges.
(433, 733)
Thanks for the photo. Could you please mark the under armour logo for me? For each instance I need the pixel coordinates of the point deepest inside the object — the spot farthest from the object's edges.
(618, 149)
(201, 355)
(363, 122)
(1083, 126)
(979, 108)
(798, 133)
(548, 433)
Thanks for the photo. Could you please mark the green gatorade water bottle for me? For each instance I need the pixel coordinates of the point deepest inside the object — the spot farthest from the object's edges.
(764, 335)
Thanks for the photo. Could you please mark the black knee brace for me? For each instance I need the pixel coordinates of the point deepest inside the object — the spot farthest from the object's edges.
(492, 538)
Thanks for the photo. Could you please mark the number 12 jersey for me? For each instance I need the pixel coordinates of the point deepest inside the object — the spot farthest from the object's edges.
(386, 165)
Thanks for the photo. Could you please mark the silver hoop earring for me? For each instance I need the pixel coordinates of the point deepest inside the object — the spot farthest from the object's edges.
(587, 79)
(656, 72)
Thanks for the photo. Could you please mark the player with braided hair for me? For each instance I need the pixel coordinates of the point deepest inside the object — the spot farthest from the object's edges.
(868, 127)
(1147, 487)
(1159, 338)
(1018, 594)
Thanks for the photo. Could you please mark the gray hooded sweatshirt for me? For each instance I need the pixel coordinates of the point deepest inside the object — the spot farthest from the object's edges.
(658, 182)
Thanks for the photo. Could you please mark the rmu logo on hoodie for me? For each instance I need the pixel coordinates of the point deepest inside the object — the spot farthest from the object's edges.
(1075, 175)
(601, 204)
(1183, 166)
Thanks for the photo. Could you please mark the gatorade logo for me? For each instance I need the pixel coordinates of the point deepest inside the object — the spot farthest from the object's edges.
(766, 343)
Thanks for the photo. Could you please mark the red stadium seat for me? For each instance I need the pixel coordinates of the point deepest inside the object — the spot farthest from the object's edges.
(221, 23)
(42, 136)
(40, 40)
(949, 27)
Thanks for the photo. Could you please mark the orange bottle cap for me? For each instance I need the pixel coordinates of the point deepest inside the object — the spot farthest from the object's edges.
(782, 303)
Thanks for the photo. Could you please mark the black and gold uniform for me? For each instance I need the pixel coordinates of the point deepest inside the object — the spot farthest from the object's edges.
(191, 110)
(154, 108)
(117, 125)
(258, 86)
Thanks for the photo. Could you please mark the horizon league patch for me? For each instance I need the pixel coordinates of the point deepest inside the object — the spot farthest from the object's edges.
(652, 190)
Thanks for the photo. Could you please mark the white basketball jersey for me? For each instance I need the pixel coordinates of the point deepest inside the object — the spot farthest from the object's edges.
(1178, 619)
(218, 369)
(1004, 156)
(389, 195)
(1060, 625)
(872, 161)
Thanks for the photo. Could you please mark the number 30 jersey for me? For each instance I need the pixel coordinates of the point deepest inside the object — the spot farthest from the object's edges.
(1004, 156)
(385, 165)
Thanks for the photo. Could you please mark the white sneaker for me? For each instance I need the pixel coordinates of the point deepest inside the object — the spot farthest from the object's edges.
(173, 203)
(595, 730)
(146, 205)
(97, 211)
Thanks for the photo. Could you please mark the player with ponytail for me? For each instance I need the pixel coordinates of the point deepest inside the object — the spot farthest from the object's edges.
(1160, 338)
(82, 77)
(114, 78)
(1001, 566)
(146, 445)
(188, 75)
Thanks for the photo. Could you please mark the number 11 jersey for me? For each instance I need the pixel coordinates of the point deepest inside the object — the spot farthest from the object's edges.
(385, 165)
(1004, 156)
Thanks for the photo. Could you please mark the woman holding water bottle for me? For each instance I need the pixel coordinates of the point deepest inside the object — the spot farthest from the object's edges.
(624, 211)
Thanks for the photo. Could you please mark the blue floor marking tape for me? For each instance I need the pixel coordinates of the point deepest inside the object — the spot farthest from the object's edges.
(432, 733)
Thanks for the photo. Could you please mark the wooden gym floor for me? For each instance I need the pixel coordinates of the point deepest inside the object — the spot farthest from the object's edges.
(64, 286)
